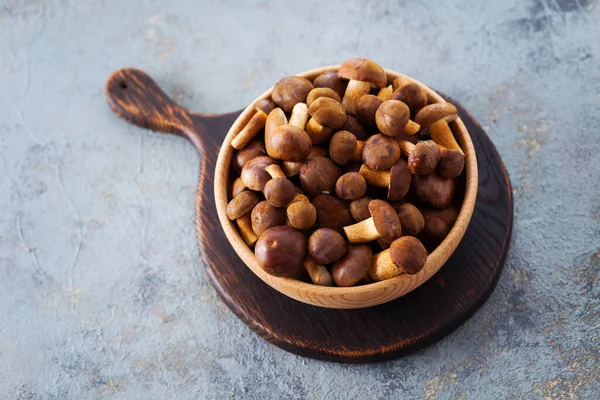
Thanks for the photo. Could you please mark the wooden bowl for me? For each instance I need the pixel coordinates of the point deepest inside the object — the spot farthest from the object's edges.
(356, 296)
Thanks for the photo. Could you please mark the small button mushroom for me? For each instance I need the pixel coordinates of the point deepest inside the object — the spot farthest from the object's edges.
(344, 147)
(254, 126)
(292, 168)
(289, 91)
(413, 95)
(245, 228)
(351, 186)
(380, 152)
(332, 81)
(279, 191)
(384, 223)
(301, 214)
(362, 73)
(406, 254)
(319, 175)
(441, 133)
(359, 209)
(319, 275)
(299, 116)
(288, 143)
(452, 163)
(393, 118)
(354, 126)
(437, 225)
(385, 93)
(424, 158)
(253, 173)
(411, 219)
(434, 189)
(281, 251)
(242, 204)
(328, 113)
(397, 179)
(265, 216)
(353, 266)
(366, 107)
(326, 245)
(435, 112)
(252, 150)
(331, 212)
(237, 187)
(322, 92)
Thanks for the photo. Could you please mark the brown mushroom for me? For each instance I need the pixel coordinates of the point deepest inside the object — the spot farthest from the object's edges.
(384, 223)
(332, 81)
(424, 158)
(265, 216)
(299, 116)
(242, 204)
(255, 124)
(289, 91)
(397, 179)
(435, 112)
(292, 168)
(301, 214)
(253, 173)
(385, 93)
(393, 118)
(317, 132)
(344, 147)
(322, 92)
(380, 152)
(319, 275)
(319, 175)
(244, 225)
(437, 224)
(354, 126)
(328, 113)
(264, 105)
(281, 251)
(411, 219)
(331, 212)
(359, 209)
(326, 245)
(362, 73)
(279, 191)
(238, 187)
(275, 118)
(452, 163)
(351, 186)
(441, 133)
(413, 95)
(353, 266)
(406, 254)
(288, 143)
(434, 189)
(252, 150)
(365, 108)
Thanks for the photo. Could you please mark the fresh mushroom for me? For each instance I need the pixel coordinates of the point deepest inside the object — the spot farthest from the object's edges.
(344, 147)
(292, 168)
(413, 95)
(452, 163)
(289, 91)
(362, 73)
(411, 219)
(322, 92)
(353, 266)
(326, 245)
(406, 254)
(393, 118)
(354, 126)
(279, 191)
(332, 81)
(351, 186)
(441, 133)
(288, 143)
(281, 251)
(319, 175)
(331, 212)
(265, 216)
(397, 179)
(437, 224)
(252, 150)
(319, 275)
(237, 187)
(253, 173)
(435, 112)
(242, 204)
(424, 158)
(301, 214)
(380, 152)
(434, 189)
(328, 113)
(359, 209)
(244, 225)
(366, 107)
(384, 223)
(255, 125)
(299, 116)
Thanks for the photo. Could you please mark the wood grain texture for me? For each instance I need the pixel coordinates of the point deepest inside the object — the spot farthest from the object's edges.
(387, 331)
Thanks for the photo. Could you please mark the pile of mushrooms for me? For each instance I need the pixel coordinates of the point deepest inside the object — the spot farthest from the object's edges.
(349, 179)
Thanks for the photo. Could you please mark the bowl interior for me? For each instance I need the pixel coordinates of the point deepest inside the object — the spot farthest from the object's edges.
(356, 296)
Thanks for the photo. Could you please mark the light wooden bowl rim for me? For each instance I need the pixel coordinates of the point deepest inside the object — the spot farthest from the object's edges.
(356, 296)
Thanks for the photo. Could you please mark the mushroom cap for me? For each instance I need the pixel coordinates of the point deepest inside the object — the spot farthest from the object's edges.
(253, 173)
(351, 186)
(434, 189)
(332, 81)
(400, 179)
(264, 105)
(380, 152)
(342, 147)
(359, 209)
(289, 143)
(413, 95)
(326, 245)
(237, 187)
(265, 216)
(365, 108)
(328, 113)
(437, 224)
(302, 215)
(353, 266)
(319, 175)
(279, 192)
(452, 163)
(281, 251)
(434, 112)
(289, 91)
(424, 158)
(242, 204)
(354, 126)
(411, 219)
(386, 220)
(391, 117)
(252, 150)
(332, 212)
(322, 92)
(409, 254)
(364, 70)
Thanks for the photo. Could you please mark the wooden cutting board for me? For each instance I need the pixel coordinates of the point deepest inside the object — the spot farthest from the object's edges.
(391, 330)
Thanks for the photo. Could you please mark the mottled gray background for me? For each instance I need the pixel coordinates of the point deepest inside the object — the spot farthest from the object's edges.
(102, 291)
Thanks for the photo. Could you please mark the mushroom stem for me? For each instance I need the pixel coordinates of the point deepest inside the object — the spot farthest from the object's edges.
(299, 116)
(317, 132)
(245, 227)
(412, 127)
(256, 123)
(382, 267)
(406, 147)
(275, 171)
(358, 150)
(375, 178)
(442, 134)
(354, 90)
(319, 274)
(385, 93)
(362, 232)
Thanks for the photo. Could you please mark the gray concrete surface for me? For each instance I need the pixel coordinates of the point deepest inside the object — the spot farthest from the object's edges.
(102, 292)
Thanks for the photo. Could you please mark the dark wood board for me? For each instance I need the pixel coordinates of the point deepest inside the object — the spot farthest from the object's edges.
(388, 331)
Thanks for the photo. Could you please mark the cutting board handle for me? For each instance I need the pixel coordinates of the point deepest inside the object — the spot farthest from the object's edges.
(137, 98)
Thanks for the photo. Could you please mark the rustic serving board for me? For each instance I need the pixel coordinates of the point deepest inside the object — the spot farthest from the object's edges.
(391, 330)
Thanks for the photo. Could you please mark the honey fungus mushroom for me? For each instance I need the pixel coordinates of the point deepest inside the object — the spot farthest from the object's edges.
(397, 179)
(289, 91)
(281, 251)
(362, 73)
(383, 223)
